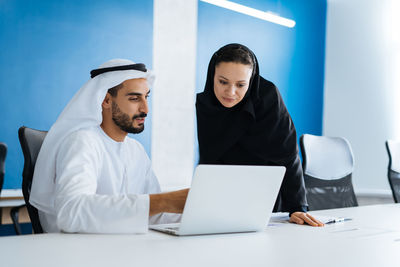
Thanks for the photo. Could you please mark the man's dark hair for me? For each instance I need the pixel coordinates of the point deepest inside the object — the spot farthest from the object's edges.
(235, 54)
(114, 90)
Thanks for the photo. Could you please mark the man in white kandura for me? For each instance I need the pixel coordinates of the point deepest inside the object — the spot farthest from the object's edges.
(90, 177)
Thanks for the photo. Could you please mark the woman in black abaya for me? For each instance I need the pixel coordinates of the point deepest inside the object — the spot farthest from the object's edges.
(242, 120)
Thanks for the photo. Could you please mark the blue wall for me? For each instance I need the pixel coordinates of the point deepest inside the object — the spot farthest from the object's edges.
(47, 51)
(292, 58)
(49, 47)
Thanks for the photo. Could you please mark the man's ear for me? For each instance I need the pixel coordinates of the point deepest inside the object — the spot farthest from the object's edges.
(107, 101)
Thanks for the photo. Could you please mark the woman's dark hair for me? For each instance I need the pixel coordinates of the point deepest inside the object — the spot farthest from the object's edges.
(235, 53)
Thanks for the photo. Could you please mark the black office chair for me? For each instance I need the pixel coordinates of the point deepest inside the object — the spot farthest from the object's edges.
(327, 166)
(3, 154)
(31, 140)
(393, 149)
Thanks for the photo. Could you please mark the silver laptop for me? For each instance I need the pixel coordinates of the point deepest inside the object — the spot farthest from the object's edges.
(228, 199)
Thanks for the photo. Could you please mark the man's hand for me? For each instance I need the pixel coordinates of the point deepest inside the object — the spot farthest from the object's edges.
(304, 218)
(172, 202)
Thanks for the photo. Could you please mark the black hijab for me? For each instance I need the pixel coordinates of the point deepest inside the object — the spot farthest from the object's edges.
(256, 131)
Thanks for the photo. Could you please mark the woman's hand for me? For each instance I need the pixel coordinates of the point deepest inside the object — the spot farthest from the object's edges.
(302, 218)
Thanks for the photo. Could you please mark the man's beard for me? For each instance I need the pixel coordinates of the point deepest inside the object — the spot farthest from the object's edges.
(124, 122)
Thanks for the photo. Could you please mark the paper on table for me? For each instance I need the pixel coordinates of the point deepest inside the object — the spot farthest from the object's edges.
(279, 219)
(330, 219)
(283, 218)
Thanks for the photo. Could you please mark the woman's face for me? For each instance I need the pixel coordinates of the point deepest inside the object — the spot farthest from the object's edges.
(231, 82)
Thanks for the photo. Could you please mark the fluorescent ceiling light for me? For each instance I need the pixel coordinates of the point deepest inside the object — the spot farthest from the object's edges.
(268, 16)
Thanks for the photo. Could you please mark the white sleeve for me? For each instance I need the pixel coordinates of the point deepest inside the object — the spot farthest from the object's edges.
(152, 184)
(79, 208)
(153, 187)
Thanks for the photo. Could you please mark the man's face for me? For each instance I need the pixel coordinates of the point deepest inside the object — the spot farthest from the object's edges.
(129, 107)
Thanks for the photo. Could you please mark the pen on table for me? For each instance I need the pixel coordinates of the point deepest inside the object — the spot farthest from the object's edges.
(336, 220)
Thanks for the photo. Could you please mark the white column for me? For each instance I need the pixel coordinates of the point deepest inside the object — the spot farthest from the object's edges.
(362, 84)
(173, 95)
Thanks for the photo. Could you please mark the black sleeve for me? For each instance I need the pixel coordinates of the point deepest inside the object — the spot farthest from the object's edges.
(278, 144)
(292, 195)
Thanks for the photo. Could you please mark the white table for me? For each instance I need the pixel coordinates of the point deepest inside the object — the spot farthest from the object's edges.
(11, 198)
(372, 238)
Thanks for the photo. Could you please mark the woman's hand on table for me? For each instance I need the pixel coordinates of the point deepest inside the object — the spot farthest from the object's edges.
(299, 217)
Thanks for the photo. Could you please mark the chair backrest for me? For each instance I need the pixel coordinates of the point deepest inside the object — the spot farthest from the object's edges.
(393, 149)
(328, 165)
(3, 154)
(31, 140)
